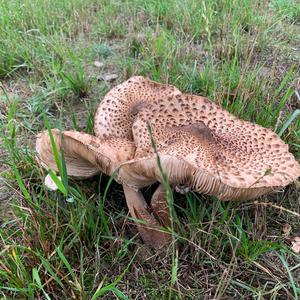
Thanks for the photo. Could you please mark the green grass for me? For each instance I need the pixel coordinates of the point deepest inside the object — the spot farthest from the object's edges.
(80, 244)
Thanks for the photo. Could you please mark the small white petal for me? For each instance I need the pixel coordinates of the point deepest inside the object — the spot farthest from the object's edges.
(50, 184)
(98, 64)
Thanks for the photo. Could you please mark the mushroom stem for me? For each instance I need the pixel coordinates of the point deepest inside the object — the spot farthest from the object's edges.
(160, 206)
(148, 227)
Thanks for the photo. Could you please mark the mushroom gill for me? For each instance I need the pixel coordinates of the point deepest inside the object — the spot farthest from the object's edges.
(85, 155)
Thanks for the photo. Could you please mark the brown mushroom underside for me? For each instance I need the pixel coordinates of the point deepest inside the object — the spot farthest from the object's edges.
(144, 172)
(85, 155)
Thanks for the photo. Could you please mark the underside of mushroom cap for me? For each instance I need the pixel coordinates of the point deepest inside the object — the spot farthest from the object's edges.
(143, 172)
(85, 155)
(115, 114)
(219, 150)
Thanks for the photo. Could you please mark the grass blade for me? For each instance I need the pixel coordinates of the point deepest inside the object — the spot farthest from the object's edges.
(296, 289)
(59, 159)
(288, 122)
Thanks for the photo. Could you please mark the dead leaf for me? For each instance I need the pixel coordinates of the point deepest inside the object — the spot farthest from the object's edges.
(296, 244)
(98, 64)
(3, 108)
(286, 228)
(108, 77)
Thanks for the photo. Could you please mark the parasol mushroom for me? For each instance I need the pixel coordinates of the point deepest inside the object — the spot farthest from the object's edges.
(201, 147)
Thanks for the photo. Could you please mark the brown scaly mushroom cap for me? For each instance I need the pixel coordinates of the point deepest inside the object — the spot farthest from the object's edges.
(205, 148)
(116, 112)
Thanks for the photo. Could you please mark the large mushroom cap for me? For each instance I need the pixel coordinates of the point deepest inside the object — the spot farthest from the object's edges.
(85, 155)
(204, 147)
(116, 112)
